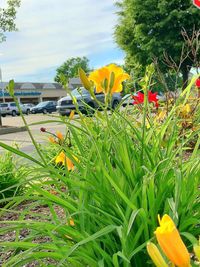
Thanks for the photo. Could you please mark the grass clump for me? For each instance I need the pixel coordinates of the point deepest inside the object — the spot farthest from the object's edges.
(12, 176)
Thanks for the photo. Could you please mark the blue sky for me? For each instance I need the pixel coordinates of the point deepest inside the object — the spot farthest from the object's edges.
(51, 31)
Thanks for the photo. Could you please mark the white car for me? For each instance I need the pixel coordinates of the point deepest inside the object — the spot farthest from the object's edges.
(9, 108)
(3, 109)
(127, 100)
(26, 108)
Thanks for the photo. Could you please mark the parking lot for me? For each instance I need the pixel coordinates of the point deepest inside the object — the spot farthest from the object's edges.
(22, 138)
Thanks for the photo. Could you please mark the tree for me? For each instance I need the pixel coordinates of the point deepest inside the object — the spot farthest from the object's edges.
(70, 67)
(7, 18)
(148, 29)
(7, 21)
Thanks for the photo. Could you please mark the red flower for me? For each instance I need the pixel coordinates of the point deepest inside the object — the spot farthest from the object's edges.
(139, 98)
(152, 97)
(198, 83)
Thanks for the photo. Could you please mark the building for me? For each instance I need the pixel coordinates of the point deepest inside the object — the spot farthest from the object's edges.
(36, 92)
(74, 83)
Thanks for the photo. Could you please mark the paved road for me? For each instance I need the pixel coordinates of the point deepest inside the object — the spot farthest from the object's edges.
(22, 138)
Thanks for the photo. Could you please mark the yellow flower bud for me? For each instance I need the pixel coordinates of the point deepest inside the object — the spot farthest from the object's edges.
(71, 115)
(86, 83)
(197, 251)
(171, 243)
(155, 255)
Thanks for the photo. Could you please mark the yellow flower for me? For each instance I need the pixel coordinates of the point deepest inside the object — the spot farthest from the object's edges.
(108, 79)
(171, 243)
(52, 140)
(161, 115)
(61, 158)
(71, 222)
(60, 136)
(155, 255)
(184, 110)
(71, 115)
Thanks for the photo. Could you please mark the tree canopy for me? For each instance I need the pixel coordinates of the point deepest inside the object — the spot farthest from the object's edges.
(7, 21)
(7, 18)
(147, 29)
(70, 67)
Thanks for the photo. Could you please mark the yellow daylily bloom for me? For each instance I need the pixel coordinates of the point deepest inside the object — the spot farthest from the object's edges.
(71, 222)
(161, 115)
(171, 243)
(60, 136)
(184, 110)
(108, 79)
(155, 255)
(52, 140)
(61, 158)
(71, 115)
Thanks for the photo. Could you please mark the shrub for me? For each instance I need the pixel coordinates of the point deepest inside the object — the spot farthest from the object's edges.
(11, 177)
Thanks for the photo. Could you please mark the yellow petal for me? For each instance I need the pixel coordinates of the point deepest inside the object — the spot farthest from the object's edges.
(61, 158)
(112, 85)
(60, 136)
(71, 115)
(171, 243)
(52, 140)
(71, 222)
(70, 165)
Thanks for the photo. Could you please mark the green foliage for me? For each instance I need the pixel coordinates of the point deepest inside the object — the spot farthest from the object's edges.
(147, 29)
(70, 68)
(11, 177)
(126, 174)
(7, 17)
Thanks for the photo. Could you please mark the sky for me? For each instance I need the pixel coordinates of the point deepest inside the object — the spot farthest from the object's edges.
(52, 31)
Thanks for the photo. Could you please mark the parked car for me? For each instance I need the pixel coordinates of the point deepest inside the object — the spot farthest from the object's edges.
(9, 108)
(3, 109)
(127, 100)
(161, 97)
(44, 107)
(26, 108)
(84, 101)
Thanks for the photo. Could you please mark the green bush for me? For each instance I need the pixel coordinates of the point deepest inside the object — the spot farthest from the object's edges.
(11, 177)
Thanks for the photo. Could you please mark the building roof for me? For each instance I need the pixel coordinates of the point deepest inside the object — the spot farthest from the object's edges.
(73, 83)
(32, 86)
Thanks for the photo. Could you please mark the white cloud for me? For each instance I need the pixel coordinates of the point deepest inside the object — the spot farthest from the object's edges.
(51, 31)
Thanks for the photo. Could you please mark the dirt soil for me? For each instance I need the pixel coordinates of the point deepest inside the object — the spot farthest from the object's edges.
(42, 210)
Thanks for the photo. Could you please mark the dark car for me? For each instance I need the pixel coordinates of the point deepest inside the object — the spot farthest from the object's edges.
(44, 107)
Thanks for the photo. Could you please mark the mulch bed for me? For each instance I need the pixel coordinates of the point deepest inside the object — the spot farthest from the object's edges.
(5, 254)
